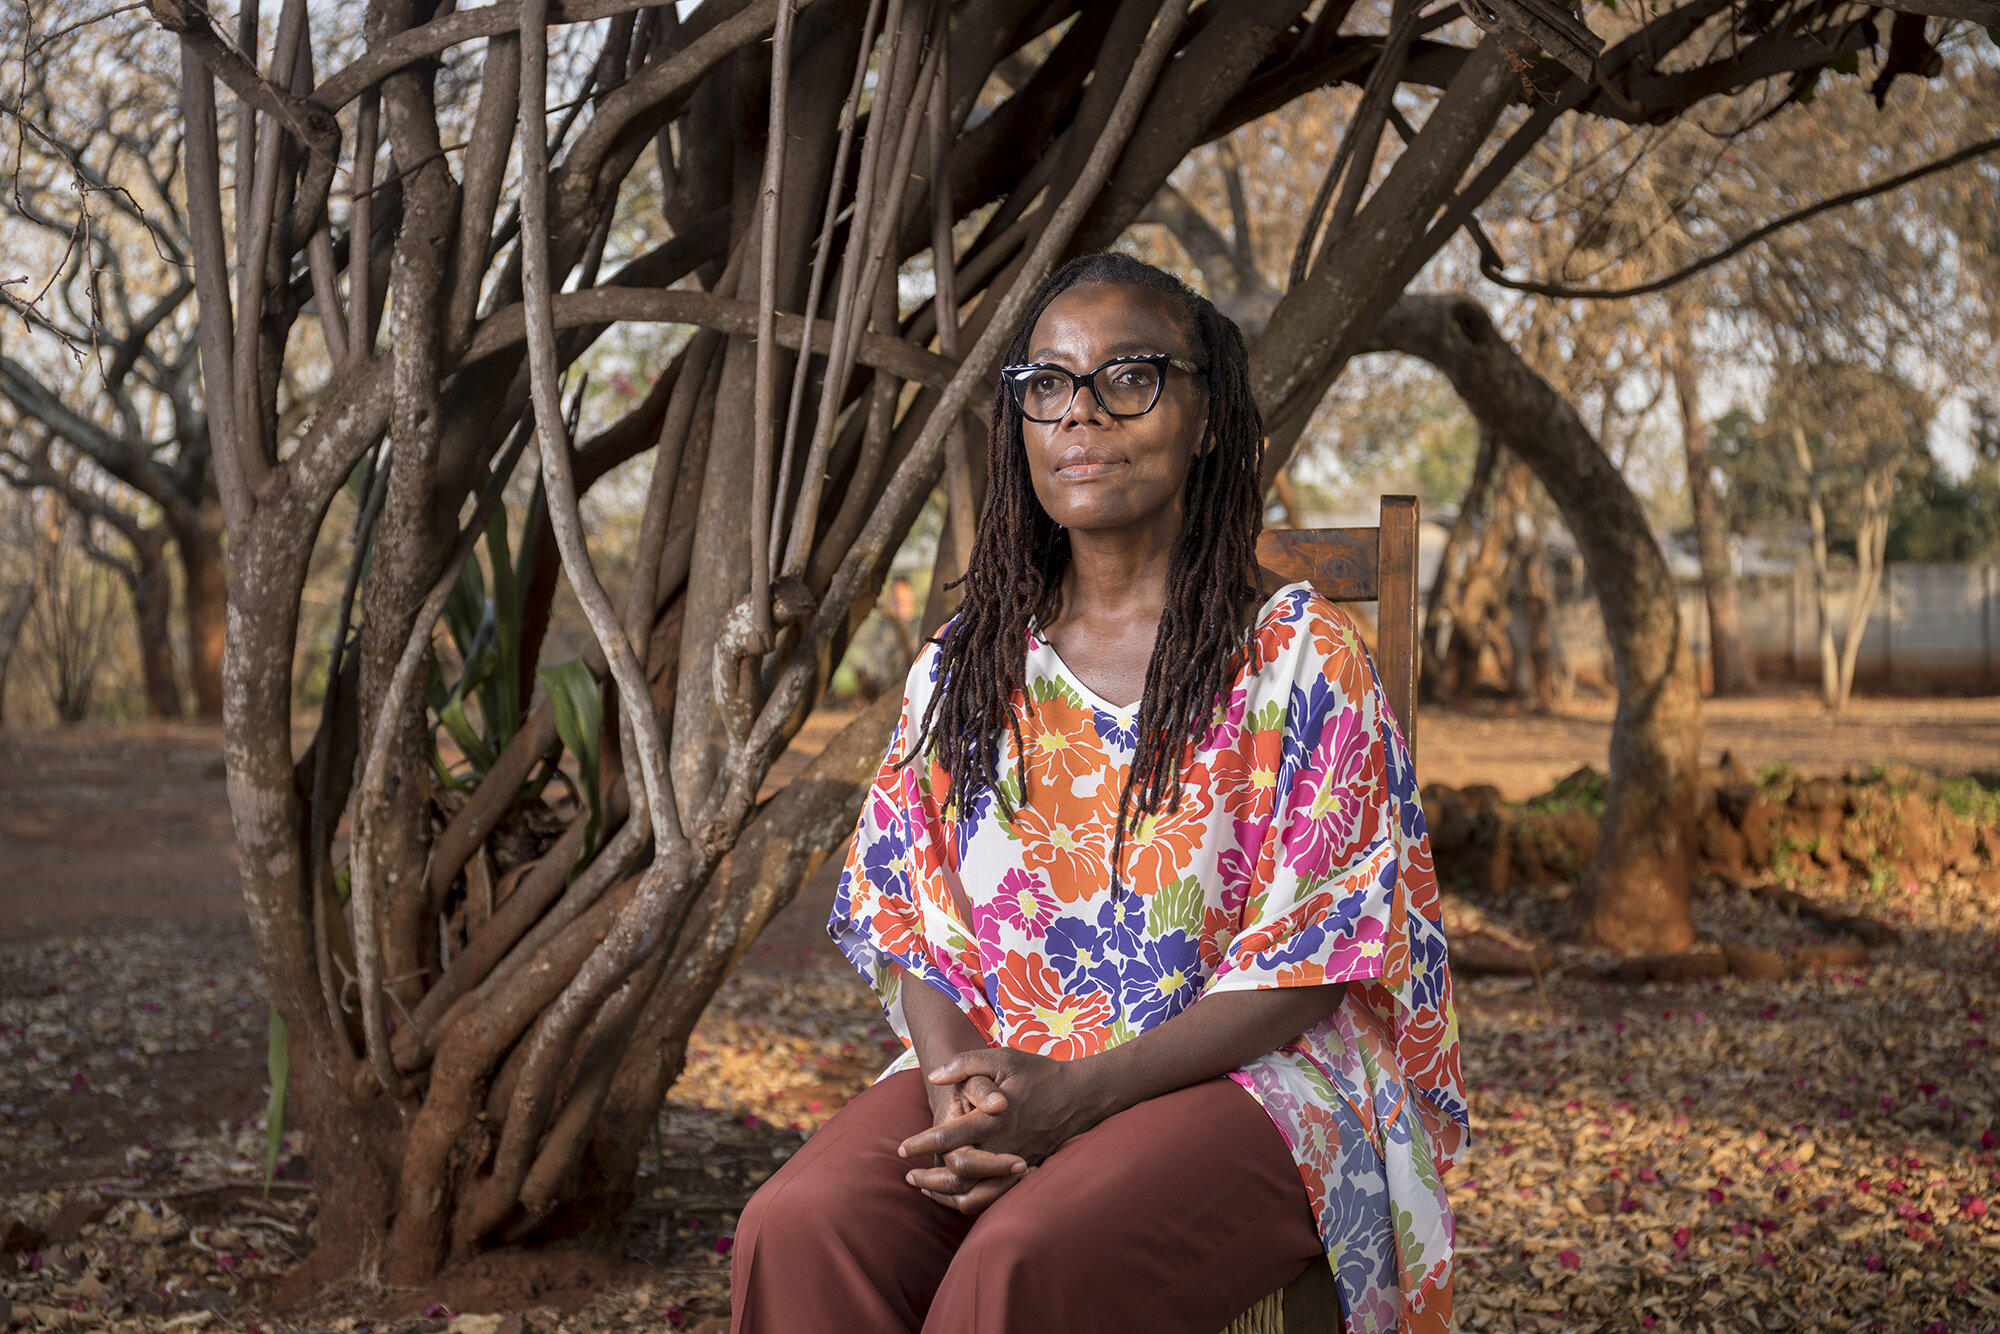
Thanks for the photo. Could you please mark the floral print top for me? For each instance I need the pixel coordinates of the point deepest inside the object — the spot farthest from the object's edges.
(1297, 857)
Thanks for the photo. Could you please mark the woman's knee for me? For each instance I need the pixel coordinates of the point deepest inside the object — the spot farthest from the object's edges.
(791, 1208)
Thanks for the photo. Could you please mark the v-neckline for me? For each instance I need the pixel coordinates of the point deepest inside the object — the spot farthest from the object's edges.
(1128, 711)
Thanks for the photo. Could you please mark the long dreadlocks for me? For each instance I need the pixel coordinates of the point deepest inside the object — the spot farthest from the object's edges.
(1014, 579)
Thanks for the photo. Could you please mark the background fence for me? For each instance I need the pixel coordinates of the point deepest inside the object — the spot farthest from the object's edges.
(1933, 627)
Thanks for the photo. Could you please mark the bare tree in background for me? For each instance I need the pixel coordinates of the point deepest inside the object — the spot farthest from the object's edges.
(72, 617)
(102, 356)
(1667, 235)
(25, 549)
(794, 177)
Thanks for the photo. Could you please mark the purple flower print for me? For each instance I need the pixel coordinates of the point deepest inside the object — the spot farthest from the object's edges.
(1122, 919)
(1305, 718)
(887, 862)
(1161, 980)
(1081, 956)
(1116, 732)
(968, 821)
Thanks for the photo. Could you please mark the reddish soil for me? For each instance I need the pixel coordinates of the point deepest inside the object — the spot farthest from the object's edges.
(105, 824)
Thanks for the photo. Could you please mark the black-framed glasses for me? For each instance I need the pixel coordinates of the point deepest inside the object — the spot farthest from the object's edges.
(1123, 386)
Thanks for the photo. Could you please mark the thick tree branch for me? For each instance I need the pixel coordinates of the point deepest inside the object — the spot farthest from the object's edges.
(506, 328)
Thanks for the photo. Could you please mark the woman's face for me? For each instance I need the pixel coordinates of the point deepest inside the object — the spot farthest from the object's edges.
(1094, 472)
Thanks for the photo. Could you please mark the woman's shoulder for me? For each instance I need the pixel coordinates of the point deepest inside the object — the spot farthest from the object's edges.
(1301, 631)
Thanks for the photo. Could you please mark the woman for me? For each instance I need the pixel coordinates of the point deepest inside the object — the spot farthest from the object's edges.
(1143, 883)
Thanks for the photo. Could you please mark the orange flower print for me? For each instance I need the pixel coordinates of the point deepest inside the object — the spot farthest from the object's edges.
(895, 928)
(1306, 974)
(1334, 635)
(1274, 636)
(1246, 776)
(1063, 746)
(1044, 1018)
(1071, 852)
(1159, 846)
(1218, 928)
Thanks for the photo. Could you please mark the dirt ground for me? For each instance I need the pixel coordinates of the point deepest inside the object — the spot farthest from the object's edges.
(1848, 1123)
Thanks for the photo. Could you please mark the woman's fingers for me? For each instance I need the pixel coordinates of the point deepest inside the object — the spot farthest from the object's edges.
(982, 1093)
(972, 1202)
(975, 1164)
(962, 1133)
(990, 1062)
(964, 1169)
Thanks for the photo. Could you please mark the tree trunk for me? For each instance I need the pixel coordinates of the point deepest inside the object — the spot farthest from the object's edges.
(1871, 540)
(152, 616)
(1534, 562)
(205, 595)
(1829, 657)
(1446, 583)
(1479, 612)
(1735, 673)
(13, 615)
(1635, 895)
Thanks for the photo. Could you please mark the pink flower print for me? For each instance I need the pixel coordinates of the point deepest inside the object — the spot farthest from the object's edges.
(1024, 902)
(1228, 721)
(1332, 791)
(1238, 864)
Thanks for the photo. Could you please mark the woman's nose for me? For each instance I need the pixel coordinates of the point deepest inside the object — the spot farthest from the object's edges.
(1084, 409)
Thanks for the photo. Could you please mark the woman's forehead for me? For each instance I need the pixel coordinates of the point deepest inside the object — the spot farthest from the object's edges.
(1099, 320)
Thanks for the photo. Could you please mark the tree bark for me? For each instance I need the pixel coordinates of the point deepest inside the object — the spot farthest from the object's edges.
(1871, 540)
(1829, 656)
(1733, 670)
(1636, 893)
(13, 615)
(1452, 562)
(205, 595)
(152, 613)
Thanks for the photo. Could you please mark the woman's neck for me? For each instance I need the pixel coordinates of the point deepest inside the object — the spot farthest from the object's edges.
(1117, 578)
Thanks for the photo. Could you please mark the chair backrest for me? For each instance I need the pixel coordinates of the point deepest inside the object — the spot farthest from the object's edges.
(1360, 565)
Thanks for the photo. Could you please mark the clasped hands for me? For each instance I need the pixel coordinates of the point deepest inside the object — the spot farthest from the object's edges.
(996, 1113)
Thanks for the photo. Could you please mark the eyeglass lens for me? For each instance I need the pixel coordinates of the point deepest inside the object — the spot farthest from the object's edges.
(1124, 389)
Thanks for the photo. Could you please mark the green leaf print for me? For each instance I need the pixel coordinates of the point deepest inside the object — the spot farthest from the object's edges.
(1007, 797)
(1045, 688)
(1177, 907)
(1317, 1078)
(1411, 1250)
(1420, 1154)
(1267, 719)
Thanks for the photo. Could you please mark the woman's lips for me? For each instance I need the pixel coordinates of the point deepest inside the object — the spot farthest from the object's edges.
(1083, 472)
(1082, 464)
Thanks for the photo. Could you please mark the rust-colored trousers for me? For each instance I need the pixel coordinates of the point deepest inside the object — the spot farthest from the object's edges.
(1176, 1215)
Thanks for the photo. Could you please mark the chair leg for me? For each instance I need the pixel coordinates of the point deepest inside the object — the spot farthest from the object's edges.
(1309, 1304)
(1312, 1303)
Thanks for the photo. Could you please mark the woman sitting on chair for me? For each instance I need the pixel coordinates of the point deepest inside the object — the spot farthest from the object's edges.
(1143, 882)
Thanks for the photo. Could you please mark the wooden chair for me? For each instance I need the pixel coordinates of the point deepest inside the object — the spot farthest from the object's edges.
(1349, 565)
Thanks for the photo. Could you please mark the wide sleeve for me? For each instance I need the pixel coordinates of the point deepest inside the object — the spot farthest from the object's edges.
(894, 912)
(1322, 903)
